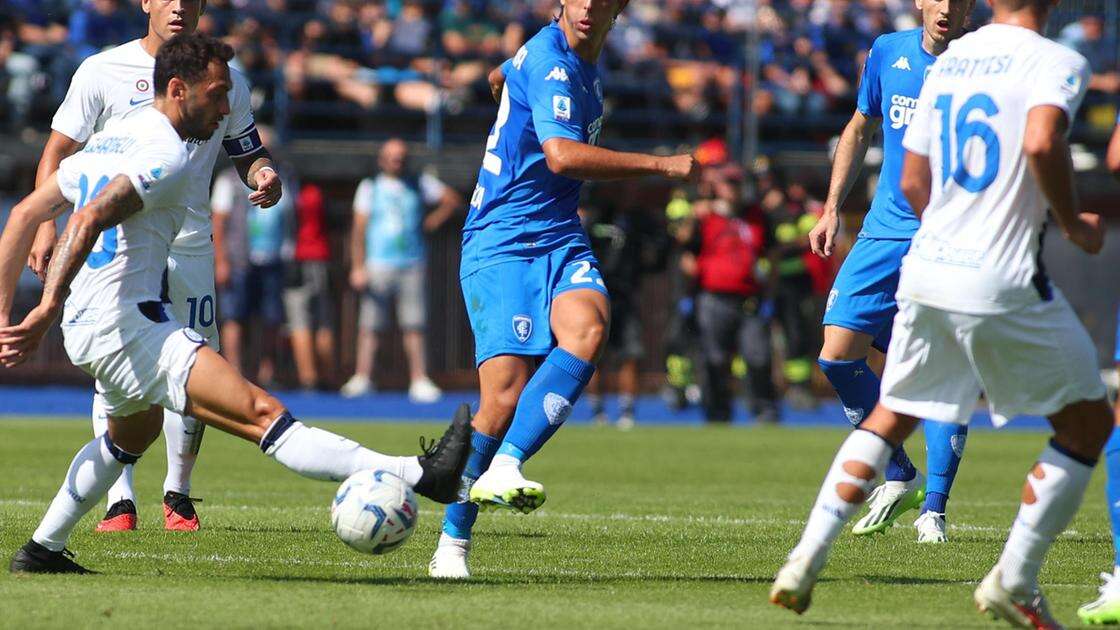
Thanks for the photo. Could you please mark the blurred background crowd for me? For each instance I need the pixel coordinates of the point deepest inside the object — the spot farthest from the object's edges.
(377, 110)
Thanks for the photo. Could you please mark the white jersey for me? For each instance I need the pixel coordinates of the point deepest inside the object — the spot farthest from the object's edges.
(979, 245)
(126, 265)
(115, 84)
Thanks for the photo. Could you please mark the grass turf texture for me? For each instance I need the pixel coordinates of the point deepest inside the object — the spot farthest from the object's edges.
(660, 527)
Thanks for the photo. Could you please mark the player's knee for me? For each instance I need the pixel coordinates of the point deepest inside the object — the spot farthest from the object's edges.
(266, 409)
(502, 403)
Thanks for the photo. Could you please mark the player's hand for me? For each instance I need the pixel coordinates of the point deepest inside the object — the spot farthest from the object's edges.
(19, 342)
(41, 251)
(269, 190)
(358, 278)
(1087, 232)
(822, 238)
(683, 167)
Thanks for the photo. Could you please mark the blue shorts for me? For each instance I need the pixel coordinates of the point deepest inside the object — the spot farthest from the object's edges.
(862, 297)
(256, 290)
(509, 303)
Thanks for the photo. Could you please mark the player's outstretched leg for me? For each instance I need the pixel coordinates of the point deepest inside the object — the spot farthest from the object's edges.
(1051, 495)
(96, 466)
(944, 448)
(183, 435)
(1106, 608)
(857, 386)
(121, 515)
(579, 320)
(861, 459)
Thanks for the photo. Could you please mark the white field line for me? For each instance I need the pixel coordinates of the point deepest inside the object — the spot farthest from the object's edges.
(721, 521)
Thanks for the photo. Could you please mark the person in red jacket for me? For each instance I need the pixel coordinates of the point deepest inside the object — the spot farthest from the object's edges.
(730, 242)
(307, 297)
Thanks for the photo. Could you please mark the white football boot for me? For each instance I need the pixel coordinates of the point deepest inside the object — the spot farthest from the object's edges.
(931, 528)
(449, 562)
(1022, 610)
(889, 501)
(793, 586)
(503, 485)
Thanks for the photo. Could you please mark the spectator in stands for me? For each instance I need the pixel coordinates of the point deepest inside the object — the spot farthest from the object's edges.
(99, 24)
(249, 252)
(628, 245)
(42, 33)
(388, 263)
(1087, 36)
(307, 294)
(730, 241)
(17, 73)
(792, 215)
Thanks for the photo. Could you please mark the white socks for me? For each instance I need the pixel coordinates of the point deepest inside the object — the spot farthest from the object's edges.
(183, 435)
(320, 454)
(505, 460)
(859, 462)
(91, 472)
(122, 484)
(1051, 497)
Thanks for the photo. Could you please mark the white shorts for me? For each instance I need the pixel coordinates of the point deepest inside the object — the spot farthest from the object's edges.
(151, 369)
(1032, 361)
(190, 288)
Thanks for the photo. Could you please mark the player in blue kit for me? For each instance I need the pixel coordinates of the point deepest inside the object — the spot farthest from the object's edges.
(1105, 610)
(861, 305)
(530, 282)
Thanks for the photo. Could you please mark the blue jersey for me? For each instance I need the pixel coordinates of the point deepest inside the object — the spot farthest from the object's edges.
(892, 79)
(520, 209)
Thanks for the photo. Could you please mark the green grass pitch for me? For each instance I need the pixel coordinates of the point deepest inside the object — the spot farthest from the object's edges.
(662, 527)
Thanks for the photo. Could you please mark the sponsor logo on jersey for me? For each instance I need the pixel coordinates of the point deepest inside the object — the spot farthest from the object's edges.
(522, 327)
(902, 111)
(562, 107)
(557, 74)
(903, 63)
(556, 408)
(139, 101)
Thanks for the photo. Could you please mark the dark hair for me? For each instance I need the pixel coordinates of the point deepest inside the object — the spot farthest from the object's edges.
(187, 57)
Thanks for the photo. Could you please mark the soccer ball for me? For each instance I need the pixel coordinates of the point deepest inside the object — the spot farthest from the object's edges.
(374, 511)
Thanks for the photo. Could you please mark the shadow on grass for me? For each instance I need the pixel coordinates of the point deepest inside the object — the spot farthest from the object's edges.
(544, 579)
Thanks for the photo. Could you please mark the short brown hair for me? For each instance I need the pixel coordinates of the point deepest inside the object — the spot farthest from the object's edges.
(187, 57)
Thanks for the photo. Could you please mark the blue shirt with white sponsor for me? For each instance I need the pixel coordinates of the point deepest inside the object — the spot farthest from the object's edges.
(520, 209)
(892, 80)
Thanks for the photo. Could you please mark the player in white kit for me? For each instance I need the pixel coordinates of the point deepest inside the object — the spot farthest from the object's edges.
(111, 86)
(129, 188)
(986, 155)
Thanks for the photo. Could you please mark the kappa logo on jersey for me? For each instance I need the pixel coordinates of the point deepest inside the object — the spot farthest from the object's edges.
(562, 107)
(903, 63)
(902, 111)
(557, 74)
(522, 327)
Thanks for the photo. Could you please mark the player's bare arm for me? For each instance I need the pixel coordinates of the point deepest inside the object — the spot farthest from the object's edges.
(1113, 157)
(358, 277)
(59, 147)
(1048, 157)
(497, 81)
(259, 174)
(449, 204)
(42, 206)
(578, 160)
(116, 203)
(850, 154)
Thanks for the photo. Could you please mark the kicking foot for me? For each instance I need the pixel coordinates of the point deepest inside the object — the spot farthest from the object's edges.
(121, 517)
(889, 501)
(1025, 610)
(443, 461)
(504, 486)
(35, 558)
(178, 513)
(1106, 609)
(793, 586)
(449, 562)
(931, 528)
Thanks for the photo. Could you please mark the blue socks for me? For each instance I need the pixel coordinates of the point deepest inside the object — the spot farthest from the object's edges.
(857, 386)
(545, 403)
(1112, 487)
(944, 449)
(458, 518)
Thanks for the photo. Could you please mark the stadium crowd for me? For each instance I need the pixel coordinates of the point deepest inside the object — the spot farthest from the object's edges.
(735, 247)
